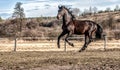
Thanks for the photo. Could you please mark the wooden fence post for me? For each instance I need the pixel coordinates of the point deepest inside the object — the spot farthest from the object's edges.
(65, 49)
(15, 43)
(105, 42)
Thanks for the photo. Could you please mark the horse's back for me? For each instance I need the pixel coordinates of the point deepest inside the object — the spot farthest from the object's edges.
(81, 26)
(83, 22)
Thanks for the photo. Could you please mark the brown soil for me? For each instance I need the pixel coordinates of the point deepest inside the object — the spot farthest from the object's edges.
(58, 60)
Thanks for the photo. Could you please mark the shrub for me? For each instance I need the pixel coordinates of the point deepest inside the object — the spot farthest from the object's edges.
(32, 24)
(118, 20)
(117, 34)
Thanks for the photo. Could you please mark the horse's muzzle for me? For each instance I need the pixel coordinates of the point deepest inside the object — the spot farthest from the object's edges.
(58, 17)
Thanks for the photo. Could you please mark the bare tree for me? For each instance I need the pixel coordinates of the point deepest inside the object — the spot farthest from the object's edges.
(108, 9)
(117, 8)
(90, 10)
(19, 14)
(76, 11)
(95, 10)
(85, 12)
(18, 11)
(1, 19)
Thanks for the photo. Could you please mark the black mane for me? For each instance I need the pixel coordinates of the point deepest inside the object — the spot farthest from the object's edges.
(70, 12)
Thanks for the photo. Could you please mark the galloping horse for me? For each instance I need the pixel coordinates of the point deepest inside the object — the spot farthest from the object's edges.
(72, 26)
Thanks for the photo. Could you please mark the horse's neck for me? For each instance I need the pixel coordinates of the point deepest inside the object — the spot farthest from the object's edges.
(66, 19)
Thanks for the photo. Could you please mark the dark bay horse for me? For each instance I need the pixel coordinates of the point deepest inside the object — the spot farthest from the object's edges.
(72, 26)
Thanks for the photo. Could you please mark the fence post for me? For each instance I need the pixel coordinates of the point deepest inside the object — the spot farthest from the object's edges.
(105, 42)
(65, 49)
(15, 43)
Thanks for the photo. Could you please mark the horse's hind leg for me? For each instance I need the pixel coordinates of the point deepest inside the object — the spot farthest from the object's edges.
(91, 32)
(90, 36)
(66, 39)
(61, 35)
(87, 41)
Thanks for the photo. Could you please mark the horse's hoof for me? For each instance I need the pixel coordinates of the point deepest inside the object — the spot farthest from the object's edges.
(59, 47)
(72, 45)
(80, 50)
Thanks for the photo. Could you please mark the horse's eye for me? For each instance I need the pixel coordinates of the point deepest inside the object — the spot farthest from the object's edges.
(58, 10)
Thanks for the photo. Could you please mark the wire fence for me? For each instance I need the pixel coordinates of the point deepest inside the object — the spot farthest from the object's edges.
(42, 43)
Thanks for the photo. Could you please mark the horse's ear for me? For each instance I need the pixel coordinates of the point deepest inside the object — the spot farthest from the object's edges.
(63, 6)
(59, 6)
(71, 11)
(69, 8)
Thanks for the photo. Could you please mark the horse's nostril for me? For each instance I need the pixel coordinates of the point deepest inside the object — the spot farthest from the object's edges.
(58, 17)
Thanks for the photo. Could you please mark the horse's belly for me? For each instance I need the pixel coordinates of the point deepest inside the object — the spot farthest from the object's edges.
(77, 32)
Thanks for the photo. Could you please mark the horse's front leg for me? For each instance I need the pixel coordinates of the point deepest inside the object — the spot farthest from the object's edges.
(66, 39)
(61, 35)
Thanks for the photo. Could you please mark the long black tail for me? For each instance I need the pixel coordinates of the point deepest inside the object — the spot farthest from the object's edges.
(99, 32)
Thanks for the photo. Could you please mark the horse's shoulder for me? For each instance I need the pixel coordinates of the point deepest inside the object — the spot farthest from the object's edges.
(81, 21)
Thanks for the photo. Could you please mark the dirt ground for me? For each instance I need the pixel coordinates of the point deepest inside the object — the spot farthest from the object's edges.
(59, 60)
(44, 55)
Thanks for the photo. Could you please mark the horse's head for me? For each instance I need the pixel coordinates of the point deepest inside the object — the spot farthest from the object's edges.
(61, 12)
(64, 11)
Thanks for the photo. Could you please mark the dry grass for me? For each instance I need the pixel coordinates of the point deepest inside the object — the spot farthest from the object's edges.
(7, 45)
(58, 60)
(44, 55)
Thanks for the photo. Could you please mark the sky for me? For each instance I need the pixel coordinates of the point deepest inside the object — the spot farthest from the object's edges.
(37, 8)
